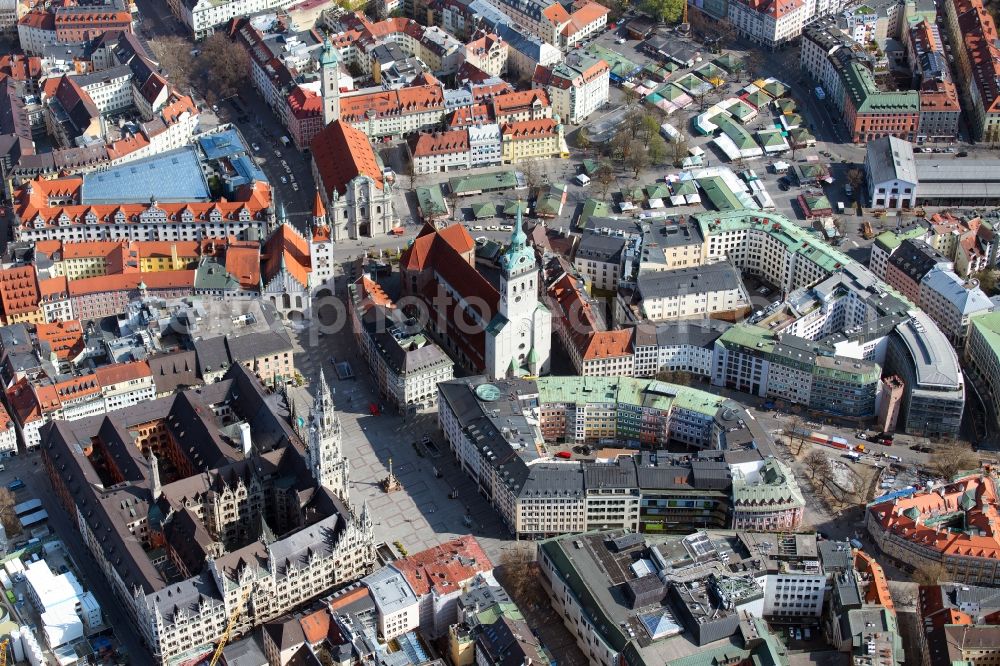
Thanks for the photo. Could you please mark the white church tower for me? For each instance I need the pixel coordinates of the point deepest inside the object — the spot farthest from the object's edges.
(519, 339)
(320, 246)
(324, 444)
(329, 68)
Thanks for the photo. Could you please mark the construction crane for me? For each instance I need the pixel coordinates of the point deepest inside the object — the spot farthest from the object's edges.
(229, 628)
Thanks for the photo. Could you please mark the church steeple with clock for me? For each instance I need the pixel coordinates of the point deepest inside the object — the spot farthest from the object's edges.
(519, 339)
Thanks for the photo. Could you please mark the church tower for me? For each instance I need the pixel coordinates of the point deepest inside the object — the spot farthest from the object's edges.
(329, 67)
(320, 245)
(518, 341)
(324, 445)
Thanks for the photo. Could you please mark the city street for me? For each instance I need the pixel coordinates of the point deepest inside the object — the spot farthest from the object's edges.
(28, 468)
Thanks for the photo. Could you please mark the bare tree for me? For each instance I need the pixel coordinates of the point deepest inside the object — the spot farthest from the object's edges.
(621, 144)
(637, 159)
(631, 96)
(519, 573)
(949, 460)
(174, 55)
(794, 431)
(633, 121)
(532, 177)
(224, 64)
(453, 202)
(413, 173)
(817, 464)
(930, 574)
(605, 175)
(8, 517)
(680, 151)
(583, 140)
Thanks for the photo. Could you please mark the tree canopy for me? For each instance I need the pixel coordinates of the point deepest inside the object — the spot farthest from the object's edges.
(668, 11)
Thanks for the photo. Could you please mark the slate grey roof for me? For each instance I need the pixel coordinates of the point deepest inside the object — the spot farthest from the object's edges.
(620, 474)
(890, 158)
(915, 258)
(255, 345)
(720, 276)
(553, 480)
(212, 353)
(598, 247)
(835, 556)
(173, 371)
(952, 288)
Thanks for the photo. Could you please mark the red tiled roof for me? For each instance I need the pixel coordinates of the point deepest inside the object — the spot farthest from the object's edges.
(983, 516)
(556, 13)
(131, 281)
(426, 144)
(109, 375)
(877, 591)
(304, 103)
(444, 568)
(470, 115)
(371, 293)
(19, 290)
(20, 67)
(243, 263)
(516, 102)
(316, 626)
(32, 201)
(415, 99)
(55, 288)
(584, 16)
(38, 19)
(583, 325)
(530, 129)
(342, 153)
(286, 248)
(64, 337)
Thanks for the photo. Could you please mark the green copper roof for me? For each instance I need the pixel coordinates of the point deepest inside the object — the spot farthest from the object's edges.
(518, 256)
(890, 240)
(987, 327)
(329, 54)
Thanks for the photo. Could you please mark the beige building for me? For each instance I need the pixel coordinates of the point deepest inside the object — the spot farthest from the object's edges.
(715, 290)
(530, 139)
(405, 363)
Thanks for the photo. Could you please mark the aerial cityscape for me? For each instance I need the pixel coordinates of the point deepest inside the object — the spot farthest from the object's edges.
(500, 332)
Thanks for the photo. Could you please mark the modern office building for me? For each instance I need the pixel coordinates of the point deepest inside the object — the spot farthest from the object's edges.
(503, 435)
(682, 597)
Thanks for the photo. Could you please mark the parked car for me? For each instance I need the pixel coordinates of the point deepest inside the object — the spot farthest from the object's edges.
(284, 181)
(15, 485)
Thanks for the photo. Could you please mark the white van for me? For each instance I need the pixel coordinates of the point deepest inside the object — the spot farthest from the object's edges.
(582, 180)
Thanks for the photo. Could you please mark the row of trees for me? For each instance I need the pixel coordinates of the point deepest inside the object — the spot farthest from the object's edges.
(218, 69)
(636, 145)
